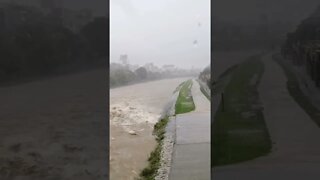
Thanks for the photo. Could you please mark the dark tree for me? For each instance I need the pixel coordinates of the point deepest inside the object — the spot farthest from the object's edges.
(141, 73)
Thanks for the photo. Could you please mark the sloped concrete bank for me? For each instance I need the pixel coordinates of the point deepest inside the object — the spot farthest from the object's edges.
(168, 141)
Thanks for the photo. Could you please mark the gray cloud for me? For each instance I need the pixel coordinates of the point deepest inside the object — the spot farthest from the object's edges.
(162, 32)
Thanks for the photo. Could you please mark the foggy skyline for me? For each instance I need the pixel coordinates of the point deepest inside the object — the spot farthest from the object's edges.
(161, 32)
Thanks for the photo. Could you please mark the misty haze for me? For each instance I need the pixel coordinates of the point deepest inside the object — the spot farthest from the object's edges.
(160, 36)
(160, 87)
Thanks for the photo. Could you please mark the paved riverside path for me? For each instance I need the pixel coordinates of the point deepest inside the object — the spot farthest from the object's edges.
(296, 147)
(191, 154)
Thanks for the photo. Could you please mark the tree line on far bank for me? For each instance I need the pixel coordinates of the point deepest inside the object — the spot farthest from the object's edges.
(122, 75)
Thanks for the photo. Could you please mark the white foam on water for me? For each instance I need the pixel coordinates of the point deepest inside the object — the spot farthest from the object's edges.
(128, 114)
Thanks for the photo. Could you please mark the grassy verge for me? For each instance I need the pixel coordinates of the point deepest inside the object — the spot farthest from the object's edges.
(296, 92)
(185, 102)
(239, 132)
(150, 172)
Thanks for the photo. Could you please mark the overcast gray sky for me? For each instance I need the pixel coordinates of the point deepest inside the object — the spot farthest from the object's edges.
(161, 31)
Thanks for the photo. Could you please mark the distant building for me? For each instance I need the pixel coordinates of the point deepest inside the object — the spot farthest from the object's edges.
(124, 59)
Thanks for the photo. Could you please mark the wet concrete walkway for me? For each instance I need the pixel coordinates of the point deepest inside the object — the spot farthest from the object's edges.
(191, 154)
(296, 146)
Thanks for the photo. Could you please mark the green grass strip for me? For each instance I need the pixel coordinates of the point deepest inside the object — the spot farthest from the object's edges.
(239, 132)
(185, 102)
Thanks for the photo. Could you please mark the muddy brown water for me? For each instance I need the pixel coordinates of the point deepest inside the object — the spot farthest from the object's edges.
(136, 108)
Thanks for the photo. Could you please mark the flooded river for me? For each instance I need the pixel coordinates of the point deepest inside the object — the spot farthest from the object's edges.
(134, 110)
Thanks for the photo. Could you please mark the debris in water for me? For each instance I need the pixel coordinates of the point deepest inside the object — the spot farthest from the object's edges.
(132, 132)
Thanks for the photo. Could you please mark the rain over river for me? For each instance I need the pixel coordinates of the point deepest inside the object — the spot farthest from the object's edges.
(134, 110)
